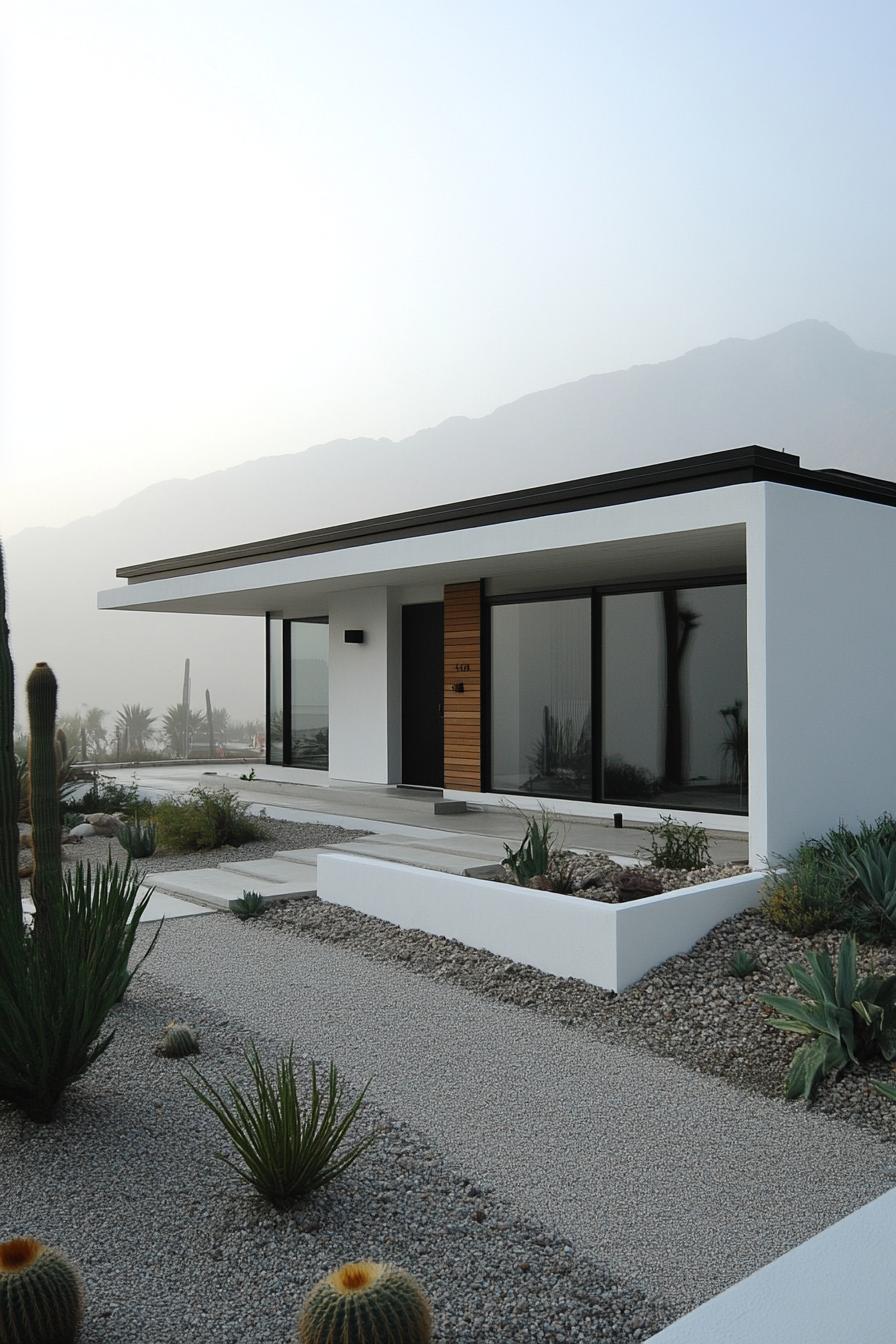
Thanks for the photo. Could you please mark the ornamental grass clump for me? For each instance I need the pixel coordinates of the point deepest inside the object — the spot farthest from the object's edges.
(366, 1303)
(806, 894)
(846, 1019)
(675, 844)
(41, 1294)
(288, 1148)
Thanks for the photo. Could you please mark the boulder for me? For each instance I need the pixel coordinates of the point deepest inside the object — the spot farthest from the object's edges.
(103, 823)
(81, 832)
(634, 885)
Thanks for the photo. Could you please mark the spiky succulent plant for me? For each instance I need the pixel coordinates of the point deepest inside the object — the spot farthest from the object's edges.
(177, 1040)
(366, 1303)
(41, 1294)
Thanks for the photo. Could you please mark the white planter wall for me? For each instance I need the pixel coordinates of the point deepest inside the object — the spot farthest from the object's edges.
(607, 945)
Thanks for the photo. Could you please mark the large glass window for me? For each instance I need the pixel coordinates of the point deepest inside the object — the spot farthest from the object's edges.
(541, 698)
(309, 716)
(674, 680)
(669, 695)
(275, 690)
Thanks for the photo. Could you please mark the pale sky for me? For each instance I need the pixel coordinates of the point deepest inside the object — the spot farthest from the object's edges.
(240, 227)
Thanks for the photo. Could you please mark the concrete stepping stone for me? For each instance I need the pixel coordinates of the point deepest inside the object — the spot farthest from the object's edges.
(274, 870)
(214, 887)
(443, 860)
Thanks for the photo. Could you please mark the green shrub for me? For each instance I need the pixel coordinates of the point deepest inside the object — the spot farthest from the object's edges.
(288, 1150)
(847, 1020)
(59, 983)
(204, 819)
(107, 795)
(675, 844)
(806, 894)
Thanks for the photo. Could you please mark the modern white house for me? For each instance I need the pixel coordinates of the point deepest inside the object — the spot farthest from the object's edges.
(712, 637)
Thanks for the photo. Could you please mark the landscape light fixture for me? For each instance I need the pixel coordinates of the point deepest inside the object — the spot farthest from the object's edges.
(354, 636)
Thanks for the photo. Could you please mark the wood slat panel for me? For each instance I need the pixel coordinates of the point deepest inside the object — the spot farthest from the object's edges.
(463, 709)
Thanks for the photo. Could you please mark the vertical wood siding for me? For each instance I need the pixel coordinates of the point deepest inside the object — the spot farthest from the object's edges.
(463, 709)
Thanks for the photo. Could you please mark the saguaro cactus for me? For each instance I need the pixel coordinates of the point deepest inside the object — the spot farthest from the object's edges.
(9, 787)
(46, 832)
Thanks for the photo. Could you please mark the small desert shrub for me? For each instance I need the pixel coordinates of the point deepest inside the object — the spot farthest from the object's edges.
(806, 894)
(288, 1149)
(204, 819)
(675, 844)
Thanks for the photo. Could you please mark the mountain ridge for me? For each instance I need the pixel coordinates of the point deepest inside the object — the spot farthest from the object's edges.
(807, 388)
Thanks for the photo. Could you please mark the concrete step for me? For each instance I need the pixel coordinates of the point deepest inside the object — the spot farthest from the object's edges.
(214, 887)
(277, 869)
(306, 856)
(442, 860)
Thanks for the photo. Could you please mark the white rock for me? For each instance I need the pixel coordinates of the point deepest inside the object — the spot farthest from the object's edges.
(79, 832)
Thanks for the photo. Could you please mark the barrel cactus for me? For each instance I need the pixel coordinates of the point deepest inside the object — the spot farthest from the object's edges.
(41, 1294)
(366, 1303)
(177, 1040)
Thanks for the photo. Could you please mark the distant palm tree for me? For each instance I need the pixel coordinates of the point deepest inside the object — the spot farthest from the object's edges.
(180, 728)
(134, 723)
(94, 729)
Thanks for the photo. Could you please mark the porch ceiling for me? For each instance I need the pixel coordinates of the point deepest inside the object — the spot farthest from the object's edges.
(292, 586)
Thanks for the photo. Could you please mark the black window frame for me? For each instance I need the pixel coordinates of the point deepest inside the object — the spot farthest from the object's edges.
(286, 623)
(596, 593)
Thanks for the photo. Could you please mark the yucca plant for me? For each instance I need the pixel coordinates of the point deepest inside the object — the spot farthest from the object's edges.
(288, 1149)
(846, 1019)
(533, 857)
(138, 840)
(742, 964)
(872, 867)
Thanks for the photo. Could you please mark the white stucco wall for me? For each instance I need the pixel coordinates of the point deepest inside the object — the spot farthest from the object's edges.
(822, 635)
(364, 701)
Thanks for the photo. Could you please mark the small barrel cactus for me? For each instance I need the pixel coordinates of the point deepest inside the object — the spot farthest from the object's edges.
(177, 1040)
(366, 1303)
(41, 1294)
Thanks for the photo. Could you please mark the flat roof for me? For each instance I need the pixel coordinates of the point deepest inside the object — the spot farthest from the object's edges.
(709, 471)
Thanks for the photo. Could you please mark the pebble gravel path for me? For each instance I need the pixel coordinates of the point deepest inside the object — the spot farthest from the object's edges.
(173, 1247)
(678, 1182)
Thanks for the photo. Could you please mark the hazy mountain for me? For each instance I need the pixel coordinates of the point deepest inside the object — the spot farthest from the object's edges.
(807, 389)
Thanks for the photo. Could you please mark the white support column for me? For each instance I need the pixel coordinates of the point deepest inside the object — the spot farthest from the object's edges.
(364, 689)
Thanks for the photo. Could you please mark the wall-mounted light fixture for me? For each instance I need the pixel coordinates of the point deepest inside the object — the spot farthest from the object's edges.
(354, 636)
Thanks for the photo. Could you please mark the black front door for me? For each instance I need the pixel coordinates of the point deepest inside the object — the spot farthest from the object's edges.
(422, 683)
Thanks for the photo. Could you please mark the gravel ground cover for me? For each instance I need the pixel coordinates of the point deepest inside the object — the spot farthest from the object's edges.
(173, 1246)
(690, 1008)
(278, 835)
(595, 876)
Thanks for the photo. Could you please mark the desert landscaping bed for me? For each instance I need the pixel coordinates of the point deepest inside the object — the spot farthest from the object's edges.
(173, 1247)
(691, 1008)
(277, 835)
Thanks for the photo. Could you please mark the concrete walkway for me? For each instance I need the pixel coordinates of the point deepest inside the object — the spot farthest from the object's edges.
(680, 1183)
(400, 811)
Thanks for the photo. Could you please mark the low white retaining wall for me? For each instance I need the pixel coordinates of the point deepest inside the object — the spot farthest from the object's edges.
(836, 1286)
(606, 945)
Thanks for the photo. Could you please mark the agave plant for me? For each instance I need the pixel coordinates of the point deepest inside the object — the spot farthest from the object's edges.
(742, 964)
(846, 1019)
(873, 869)
(533, 858)
(887, 1090)
(248, 906)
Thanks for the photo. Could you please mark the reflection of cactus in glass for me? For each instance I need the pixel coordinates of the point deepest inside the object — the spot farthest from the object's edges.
(41, 1296)
(366, 1303)
(735, 744)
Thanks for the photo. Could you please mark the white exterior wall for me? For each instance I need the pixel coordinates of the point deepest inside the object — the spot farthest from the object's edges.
(365, 686)
(822, 665)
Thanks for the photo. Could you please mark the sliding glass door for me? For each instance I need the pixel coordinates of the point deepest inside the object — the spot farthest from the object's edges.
(541, 698)
(630, 697)
(298, 676)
